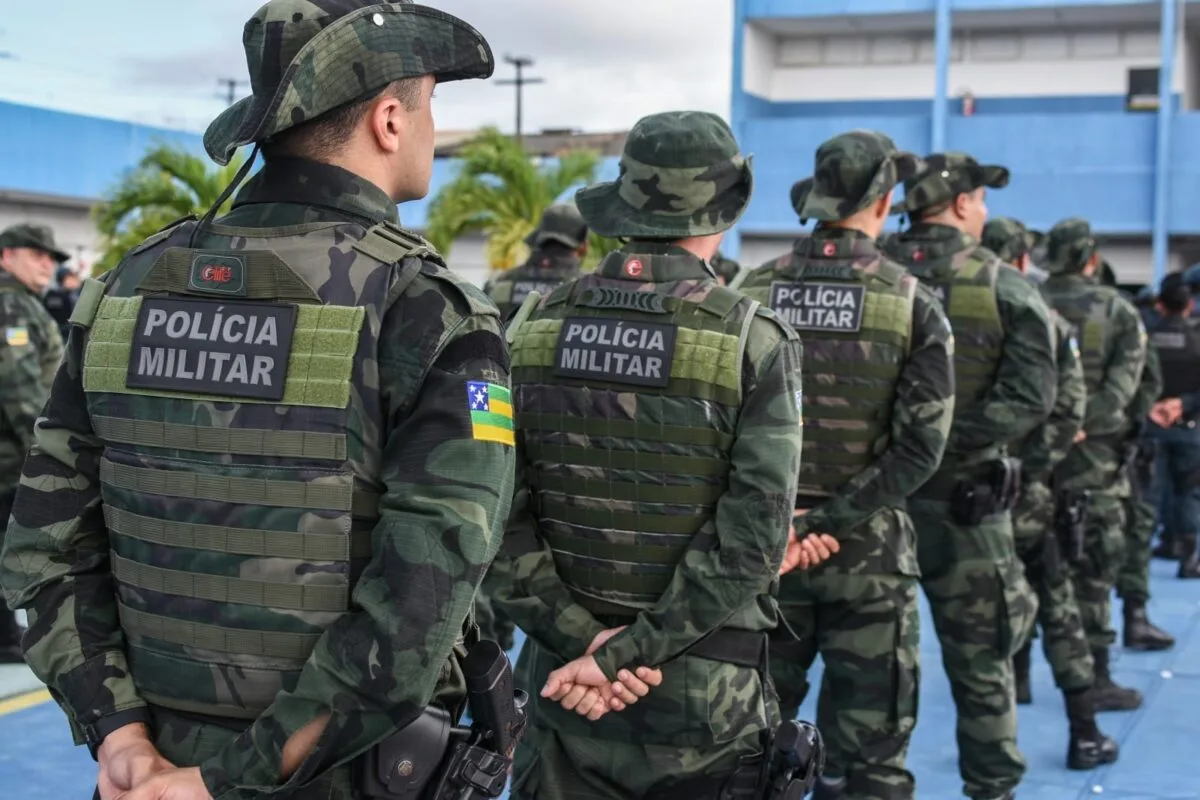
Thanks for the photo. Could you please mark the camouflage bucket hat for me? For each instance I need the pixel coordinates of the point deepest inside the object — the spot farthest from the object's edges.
(681, 175)
(560, 223)
(1069, 246)
(307, 57)
(852, 171)
(1008, 238)
(946, 176)
(35, 237)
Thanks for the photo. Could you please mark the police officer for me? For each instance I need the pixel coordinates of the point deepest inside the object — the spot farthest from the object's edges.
(1177, 341)
(30, 352)
(879, 385)
(61, 298)
(559, 244)
(1113, 350)
(1005, 375)
(658, 419)
(1038, 529)
(265, 491)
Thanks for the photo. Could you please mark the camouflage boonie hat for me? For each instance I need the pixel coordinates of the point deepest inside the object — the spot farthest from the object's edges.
(852, 170)
(682, 175)
(307, 57)
(560, 223)
(1069, 245)
(35, 237)
(946, 176)
(1008, 238)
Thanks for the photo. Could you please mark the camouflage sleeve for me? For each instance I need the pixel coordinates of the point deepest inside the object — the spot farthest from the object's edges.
(1149, 387)
(1070, 406)
(55, 562)
(30, 338)
(529, 589)
(1122, 374)
(921, 418)
(1022, 393)
(448, 492)
(732, 562)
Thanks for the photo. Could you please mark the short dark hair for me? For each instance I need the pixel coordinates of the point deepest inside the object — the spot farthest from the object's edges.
(1174, 294)
(323, 137)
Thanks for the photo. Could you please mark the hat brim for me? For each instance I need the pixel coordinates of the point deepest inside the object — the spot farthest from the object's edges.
(608, 214)
(808, 203)
(995, 177)
(255, 117)
(59, 256)
(538, 239)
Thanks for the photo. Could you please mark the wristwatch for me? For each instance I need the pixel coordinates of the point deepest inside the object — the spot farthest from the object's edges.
(95, 733)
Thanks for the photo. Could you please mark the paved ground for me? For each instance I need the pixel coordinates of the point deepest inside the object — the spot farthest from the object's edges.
(1159, 742)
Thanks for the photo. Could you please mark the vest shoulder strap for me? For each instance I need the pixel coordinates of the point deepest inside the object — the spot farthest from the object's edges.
(531, 300)
(90, 295)
(163, 234)
(764, 312)
(389, 243)
(722, 300)
(561, 294)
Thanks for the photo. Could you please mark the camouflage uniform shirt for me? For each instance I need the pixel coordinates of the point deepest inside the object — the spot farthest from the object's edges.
(445, 498)
(31, 349)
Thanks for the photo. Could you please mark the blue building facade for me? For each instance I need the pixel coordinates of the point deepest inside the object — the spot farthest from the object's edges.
(1063, 92)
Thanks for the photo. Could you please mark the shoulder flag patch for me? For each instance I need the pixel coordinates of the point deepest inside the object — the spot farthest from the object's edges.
(491, 412)
(16, 337)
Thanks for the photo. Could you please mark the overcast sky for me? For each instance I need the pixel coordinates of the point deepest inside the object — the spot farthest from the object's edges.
(605, 63)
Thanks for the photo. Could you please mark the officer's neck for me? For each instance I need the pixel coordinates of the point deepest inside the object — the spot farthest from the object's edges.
(703, 247)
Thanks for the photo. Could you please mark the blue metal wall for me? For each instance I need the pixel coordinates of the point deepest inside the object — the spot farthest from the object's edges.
(52, 152)
(833, 8)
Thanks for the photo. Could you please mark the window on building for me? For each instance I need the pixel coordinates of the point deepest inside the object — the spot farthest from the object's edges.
(1142, 94)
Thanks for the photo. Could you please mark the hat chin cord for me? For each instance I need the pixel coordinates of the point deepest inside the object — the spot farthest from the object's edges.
(238, 178)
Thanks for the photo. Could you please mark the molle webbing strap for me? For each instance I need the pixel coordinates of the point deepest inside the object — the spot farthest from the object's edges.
(244, 491)
(609, 580)
(629, 492)
(627, 459)
(244, 642)
(389, 244)
(556, 511)
(618, 551)
(234, 441)
(319, 368)
(267, 276)
(238, 541)
(222, 589)
(625, 429)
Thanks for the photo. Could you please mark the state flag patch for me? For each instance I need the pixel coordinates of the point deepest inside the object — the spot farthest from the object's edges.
(491, 412)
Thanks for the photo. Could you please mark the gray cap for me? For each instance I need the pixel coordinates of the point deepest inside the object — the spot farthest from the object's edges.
(560, 223)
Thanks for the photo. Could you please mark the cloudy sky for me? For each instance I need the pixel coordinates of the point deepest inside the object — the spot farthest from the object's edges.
(605, 63)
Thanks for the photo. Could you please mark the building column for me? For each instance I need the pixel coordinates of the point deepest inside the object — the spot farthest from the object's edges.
(942, 33)
(1160, 238)
(731, 245)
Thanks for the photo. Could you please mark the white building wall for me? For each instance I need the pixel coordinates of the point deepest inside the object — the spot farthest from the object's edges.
(993, 62)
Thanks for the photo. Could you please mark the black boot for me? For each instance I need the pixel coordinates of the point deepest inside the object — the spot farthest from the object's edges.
(10, 639)
(1020, 665)
(1167, 550)
(1140, 633)
(1189, 567)
(1108, 696)
(1089, 748)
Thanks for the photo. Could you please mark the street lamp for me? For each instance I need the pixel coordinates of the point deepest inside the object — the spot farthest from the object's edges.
(520, 62)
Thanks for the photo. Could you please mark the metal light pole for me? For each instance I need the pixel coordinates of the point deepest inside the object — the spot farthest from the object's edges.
(520, 62)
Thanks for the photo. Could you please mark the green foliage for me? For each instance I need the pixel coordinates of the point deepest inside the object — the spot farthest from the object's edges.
(168, 183)
(500, 192)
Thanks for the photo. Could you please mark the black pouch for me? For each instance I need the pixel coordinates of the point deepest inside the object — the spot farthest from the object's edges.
(403, 765)
(1070, 524)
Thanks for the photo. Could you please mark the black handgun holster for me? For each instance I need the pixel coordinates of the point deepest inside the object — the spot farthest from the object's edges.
(402, 766)
(996, 490)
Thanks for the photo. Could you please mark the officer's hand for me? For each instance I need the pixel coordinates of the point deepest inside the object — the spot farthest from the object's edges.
(1166, 413)
(1079, 437)
(817, 548)
(127, 758)
(178, 784)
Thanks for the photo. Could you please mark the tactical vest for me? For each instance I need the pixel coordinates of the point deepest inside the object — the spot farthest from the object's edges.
(856, 324)
(508, 291)
(237, 395)
(627, 403)
(1177, 342)
(968, 296)
(1088, 312)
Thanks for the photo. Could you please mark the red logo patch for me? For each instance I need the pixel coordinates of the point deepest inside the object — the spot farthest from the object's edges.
(216, 273)
(633, 268)
(918, 255)
(829, 249)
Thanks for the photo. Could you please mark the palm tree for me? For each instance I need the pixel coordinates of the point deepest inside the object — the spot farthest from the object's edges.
(501, 192)
(168, 183)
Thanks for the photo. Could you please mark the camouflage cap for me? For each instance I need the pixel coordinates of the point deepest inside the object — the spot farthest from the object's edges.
(560, 223)
(946, 176)
(307, 57)
(1191, 276)
(36, 237)
(1069, 246)
(1008, 238)
(681, 175)
(852, 171)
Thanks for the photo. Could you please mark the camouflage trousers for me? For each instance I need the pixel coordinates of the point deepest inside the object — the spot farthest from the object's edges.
(867, 629)
(983, 610)
(1133, 580)
(493, 623)
(1104, 554)
(571, 767)
(1065, 643)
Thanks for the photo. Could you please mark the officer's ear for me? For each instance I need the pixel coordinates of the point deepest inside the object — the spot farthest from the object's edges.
(883, 206)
